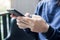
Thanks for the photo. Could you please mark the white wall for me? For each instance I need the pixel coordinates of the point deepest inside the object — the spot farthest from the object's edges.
(24, 5)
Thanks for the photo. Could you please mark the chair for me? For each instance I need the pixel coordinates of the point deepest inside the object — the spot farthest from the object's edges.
(10, 31)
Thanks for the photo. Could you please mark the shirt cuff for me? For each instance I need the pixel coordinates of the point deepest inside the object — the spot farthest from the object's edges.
(49, 33)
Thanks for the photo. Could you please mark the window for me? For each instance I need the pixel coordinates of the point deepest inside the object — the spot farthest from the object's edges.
(4, 4)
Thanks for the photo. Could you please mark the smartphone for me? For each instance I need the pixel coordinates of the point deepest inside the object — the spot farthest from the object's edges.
(15, 12)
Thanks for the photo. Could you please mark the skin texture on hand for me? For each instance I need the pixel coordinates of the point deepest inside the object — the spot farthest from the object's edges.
(39, 24)
(36, 23)
(24, 22)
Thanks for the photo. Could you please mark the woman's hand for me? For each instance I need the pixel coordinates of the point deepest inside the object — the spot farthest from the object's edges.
(36, 23)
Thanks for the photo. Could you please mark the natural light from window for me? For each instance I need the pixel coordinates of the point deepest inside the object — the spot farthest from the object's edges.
(4, 4)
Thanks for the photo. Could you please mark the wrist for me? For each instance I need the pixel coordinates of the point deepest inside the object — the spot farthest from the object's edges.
(47, 27)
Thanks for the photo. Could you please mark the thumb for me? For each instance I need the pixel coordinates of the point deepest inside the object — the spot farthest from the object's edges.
(27, 14)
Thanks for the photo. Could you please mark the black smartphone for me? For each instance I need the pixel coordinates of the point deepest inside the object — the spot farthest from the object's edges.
(15, 12)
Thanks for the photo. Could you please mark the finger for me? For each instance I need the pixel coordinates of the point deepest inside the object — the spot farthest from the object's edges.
(36, 16)
(19, 17)
(26, 20)
(22, 25)
(27, 14)
(23, 20)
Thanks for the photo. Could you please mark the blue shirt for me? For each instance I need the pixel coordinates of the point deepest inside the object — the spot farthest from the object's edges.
(50, 11)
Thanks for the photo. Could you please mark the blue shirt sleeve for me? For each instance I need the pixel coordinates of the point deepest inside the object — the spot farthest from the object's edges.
(38, 8)
(53, 15)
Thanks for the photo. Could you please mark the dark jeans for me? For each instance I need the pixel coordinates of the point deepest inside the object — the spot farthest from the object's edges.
(20, 34)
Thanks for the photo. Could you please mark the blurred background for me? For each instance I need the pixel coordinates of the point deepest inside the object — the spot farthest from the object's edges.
(21, 5)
